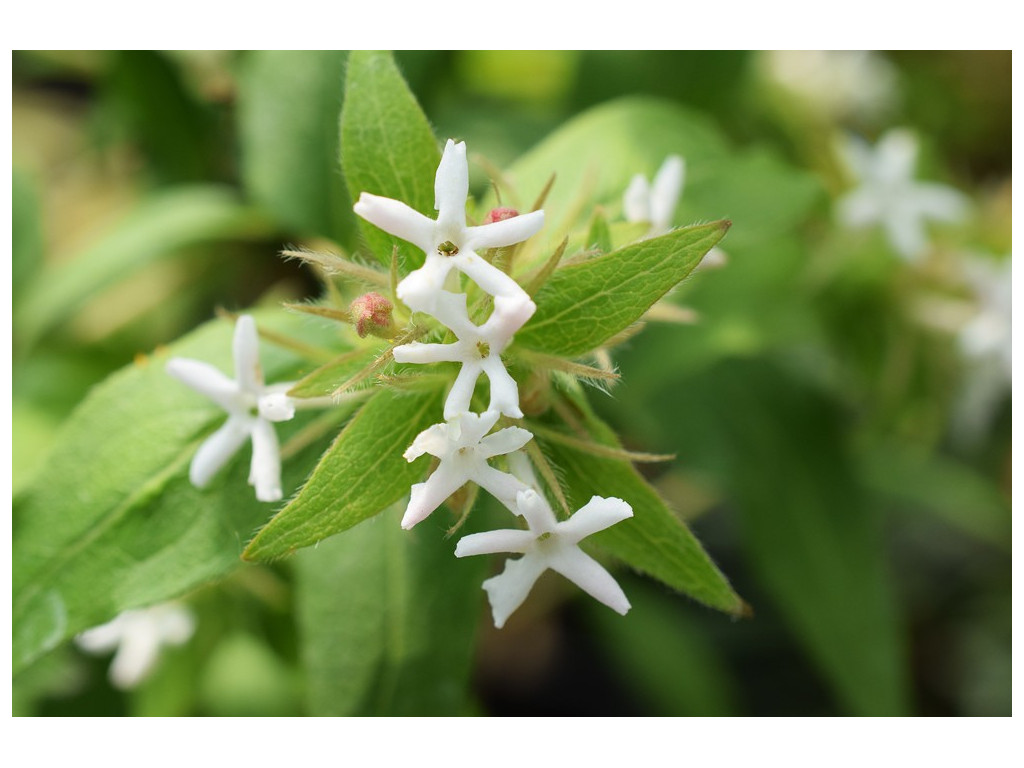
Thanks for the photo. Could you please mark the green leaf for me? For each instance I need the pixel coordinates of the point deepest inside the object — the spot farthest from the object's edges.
(585, 304)
(387, 146)
(362, 473)
(26, 232)
(654, 541)
(777, 449)
(289, 102)
(112, 522)
(160, 226)
(329, 376)
(387, 621)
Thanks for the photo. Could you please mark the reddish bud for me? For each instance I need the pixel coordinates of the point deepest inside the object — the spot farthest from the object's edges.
(371, 314)
(500, 214)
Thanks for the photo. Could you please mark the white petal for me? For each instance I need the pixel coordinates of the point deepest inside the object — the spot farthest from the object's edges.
(206, 380)
(636, 203)
(175, 623)
(506, 232)
(136, 656)
(491, 542)
(218, 448)
(535, 508)
(490, 279)
(450, 309)
(588, 574)
(505, 441)
(421, 288)
(398, 219)
(509, 589)
(103, 638)
(858, 208)
(426, 497)
(451, 187)
(937, 201)
(432, 440)
(668, 185)
(473, 426)
(417, 352)
(265, 470)
(906, 235)
(896, 156)
(504, 392)
(857, 156)
(276, 406)
(248, 373)
(461, 394)
(520, 465)
(509, 315)
(596, 515)
(501, 485)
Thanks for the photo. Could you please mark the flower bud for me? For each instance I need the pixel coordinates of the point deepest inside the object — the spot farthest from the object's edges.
(500, 214)
(371, 314)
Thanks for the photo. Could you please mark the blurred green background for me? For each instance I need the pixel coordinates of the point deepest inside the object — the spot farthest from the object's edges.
(824, 458)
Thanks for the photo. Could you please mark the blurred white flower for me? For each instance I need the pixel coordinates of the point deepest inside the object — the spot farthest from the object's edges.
(137, 637)
(251, 407)
(478, 348)
(836, 84)
(986, 336)
(447, 242)
(463, 450)
(548, 544)
(887, 194)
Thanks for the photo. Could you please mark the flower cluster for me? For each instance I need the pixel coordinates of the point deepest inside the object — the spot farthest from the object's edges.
(464, 442)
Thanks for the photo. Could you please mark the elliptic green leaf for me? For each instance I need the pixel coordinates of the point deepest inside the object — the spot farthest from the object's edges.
(160, 226)
(362, 473)
(387, 146)
(387, 620)
(289, 102)
(583, 305)
(112, 522)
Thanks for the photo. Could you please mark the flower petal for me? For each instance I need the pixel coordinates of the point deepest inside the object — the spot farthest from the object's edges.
(398, 219)
(505, 441)
(596, 515)
(246, 345)
(206, 380)
(432, 440)
(417, 352)
(461, 394)
(667, 187)
(103, 638)
(509, 315)
(218, 448)
(505, 232)
(265, 470)
(451, 187)
(276, 406)
(896, 156)
(136, 655)
(937, 201)
(536, 510)
(906, 235)
(501, 485)
(471, 427)
(636, 202)
(421, 288)
(509, 589)
(426, 497)
(491, 542)
(590, 576)
(504, 391)
(490, 279)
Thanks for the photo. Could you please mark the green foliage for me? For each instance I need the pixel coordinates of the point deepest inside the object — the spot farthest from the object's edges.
(26, 231)
(289, 135)
(329, 376)
(161, 226)
(362, 473)
(387, 146)
(387, 621)
(584, 305)
(117, 524)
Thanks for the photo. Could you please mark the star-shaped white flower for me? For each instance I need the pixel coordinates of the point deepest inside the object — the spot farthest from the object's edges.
(251, 408)
(478, 348)
(548, 544)
(137, 636)
(463, 450)
(887, 194)
(986, 336)
(447, 242)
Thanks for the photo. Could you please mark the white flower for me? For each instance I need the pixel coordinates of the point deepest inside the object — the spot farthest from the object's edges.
(548, 544)
(463, 450)
(447, 242)
(251, 408)
(656, 203)
(888, 195)
(137, 636)
(478, 348)
(986, 336)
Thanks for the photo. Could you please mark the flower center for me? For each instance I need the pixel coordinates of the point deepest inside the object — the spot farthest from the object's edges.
(448, 248)
(483, 349)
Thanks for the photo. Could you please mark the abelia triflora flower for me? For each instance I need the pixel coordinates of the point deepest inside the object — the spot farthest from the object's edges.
(479, 350)
(137, 637)
(463, 450)
(548, 544)
(251, 407)
(656, 203)
(887, 194)
(447, 242)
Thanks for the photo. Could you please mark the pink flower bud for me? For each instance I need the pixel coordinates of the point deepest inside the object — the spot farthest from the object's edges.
(500, 214)
(371, 314)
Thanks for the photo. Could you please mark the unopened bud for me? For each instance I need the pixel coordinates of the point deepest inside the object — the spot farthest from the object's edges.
(500, 214)
(371, 314)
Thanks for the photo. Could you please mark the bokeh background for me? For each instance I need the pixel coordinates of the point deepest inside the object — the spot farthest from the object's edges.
(840, 454)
